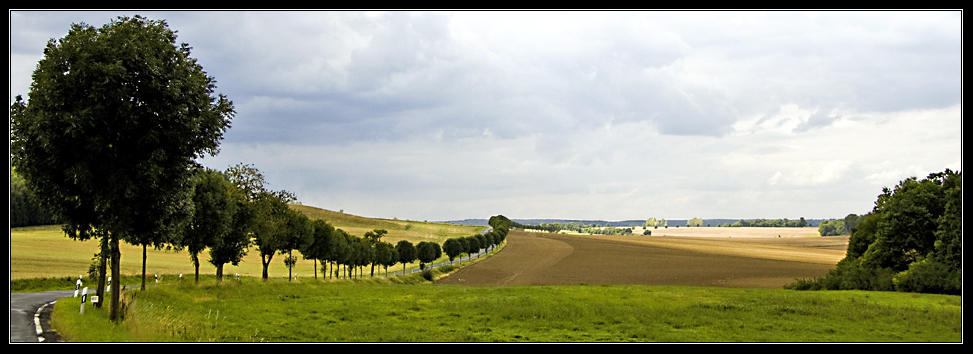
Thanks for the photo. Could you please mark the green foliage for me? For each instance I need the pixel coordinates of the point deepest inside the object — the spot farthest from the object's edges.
(214, 210)
(694, 222)
(768, 223)
(911, 241)
(116, 117)
(427, 252)
(453, 248)
(928, 275)
(406, 251)
(831, 228)
(25, 210)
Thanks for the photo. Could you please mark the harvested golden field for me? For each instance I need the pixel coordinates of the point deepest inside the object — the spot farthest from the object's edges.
(725, 257)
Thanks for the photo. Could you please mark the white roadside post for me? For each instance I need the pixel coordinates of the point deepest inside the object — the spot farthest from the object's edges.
(84, 296)
(77, 286)
(108, 286)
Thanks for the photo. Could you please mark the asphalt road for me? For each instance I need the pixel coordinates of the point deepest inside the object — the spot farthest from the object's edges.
(25, 317)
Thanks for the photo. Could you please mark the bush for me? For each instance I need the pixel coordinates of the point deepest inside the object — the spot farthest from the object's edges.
(928, 275)
(849, 275)
(427, 274)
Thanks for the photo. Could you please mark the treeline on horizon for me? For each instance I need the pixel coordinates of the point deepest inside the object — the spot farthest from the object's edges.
(639, 223)
(911, 241)
(620, 227)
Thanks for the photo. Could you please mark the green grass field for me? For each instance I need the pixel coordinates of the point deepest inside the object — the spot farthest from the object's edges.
(416, 311)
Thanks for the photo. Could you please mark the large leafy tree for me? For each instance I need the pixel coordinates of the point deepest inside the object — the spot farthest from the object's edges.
(115, 119)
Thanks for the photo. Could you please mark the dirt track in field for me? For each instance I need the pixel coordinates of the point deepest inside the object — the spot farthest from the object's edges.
(758, 261)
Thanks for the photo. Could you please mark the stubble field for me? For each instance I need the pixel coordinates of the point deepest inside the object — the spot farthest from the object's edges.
(722, 257)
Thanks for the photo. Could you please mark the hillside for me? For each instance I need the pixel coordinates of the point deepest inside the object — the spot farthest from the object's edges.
(412, 231)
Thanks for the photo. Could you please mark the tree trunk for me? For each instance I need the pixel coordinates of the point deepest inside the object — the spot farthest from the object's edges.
(102, 265)
(265, 260)
(116, 260)
(143, 267)
(219, 272)
(196, 264)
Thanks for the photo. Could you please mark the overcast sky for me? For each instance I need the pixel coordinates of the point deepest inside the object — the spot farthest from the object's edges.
(575, 115)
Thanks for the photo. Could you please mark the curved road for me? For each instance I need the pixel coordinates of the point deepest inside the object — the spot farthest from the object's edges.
(31, 311)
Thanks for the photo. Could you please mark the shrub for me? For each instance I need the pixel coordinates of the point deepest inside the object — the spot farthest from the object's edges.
(427, 274)
(928, 275)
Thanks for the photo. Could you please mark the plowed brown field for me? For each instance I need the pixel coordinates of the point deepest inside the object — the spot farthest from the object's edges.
(755, 258)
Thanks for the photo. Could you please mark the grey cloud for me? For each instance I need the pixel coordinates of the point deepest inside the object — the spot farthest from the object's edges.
(817, 120)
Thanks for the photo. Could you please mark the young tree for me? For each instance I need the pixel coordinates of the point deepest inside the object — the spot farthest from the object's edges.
(384, 252)
(115, 119)
(453, 248)
(472, 245)
(270, 232)
(374, 237)
(297, 231)
(320, 245)
(407, 253)
(426, 253)
(247, 184)
(214, 211)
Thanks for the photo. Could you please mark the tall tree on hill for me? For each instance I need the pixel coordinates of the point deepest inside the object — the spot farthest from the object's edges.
(115, 119)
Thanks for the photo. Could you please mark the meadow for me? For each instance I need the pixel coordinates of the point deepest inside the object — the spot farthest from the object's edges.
(408, 309)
